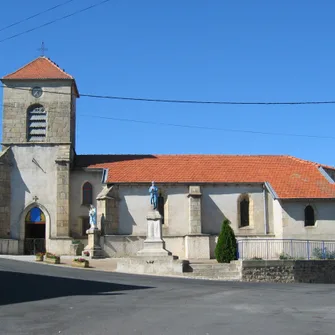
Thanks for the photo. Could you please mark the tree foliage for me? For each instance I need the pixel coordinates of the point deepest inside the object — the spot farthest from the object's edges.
(226, 247)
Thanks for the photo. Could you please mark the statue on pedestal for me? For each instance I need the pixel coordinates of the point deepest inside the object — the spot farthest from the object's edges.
(93, 248)
(93, 217)
(153, 190)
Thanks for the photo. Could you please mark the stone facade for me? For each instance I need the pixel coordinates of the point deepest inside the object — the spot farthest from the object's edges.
(63, 191)
(44, 174)
(5, 194)
(58, 101)
(289, 271)
(40, 171)
(9, 246)
(195, 210)
(108, 210)
(63, 204)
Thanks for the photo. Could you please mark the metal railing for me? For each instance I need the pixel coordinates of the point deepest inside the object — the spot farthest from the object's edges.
(34, 245)
(285, 249)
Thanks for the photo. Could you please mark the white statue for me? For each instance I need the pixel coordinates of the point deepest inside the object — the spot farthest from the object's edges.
(93, 217)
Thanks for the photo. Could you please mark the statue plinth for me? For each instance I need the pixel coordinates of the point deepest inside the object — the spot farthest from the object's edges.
(93, 245)
(153, 258)
(153, 244)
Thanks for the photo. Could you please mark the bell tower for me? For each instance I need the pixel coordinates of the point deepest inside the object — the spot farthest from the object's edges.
(39, 128)
(39, 105)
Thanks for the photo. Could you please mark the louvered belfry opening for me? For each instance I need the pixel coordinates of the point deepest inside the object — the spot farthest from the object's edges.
(37, 123)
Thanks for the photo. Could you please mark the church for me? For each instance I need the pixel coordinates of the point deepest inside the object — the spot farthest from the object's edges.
(46, 188)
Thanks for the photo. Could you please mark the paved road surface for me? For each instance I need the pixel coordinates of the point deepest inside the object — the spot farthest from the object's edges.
(42, 299)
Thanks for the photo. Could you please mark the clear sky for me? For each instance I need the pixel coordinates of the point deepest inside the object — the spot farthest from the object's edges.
(244, 50)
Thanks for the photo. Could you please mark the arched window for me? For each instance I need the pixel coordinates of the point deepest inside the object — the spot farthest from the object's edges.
(309, 216)
(244, 211)
(36, 123)
(35, 216)
(87, 194)
(160, 205)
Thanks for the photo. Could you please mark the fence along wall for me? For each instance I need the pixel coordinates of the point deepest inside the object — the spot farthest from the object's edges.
(285, 248)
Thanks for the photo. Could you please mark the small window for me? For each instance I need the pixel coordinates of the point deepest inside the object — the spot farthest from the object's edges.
(85, 222)
(37, 123)
(309, 216)
(160, 204)
(87, 194)
(244, 212)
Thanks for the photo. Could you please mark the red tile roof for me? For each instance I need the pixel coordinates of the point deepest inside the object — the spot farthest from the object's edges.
(41, 68)
(290, 177)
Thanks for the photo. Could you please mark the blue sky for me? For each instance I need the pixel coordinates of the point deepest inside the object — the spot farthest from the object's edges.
(245, 51)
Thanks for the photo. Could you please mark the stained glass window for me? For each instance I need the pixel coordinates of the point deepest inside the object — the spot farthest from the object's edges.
(35, 216)
(87, 194)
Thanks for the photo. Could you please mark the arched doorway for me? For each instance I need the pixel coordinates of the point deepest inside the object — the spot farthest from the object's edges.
(34, 240)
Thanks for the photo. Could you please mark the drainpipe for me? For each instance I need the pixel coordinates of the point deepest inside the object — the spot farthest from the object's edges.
(265, 211)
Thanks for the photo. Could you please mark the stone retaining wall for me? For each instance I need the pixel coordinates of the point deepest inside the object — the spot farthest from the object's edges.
(289, 271)
(9, 247)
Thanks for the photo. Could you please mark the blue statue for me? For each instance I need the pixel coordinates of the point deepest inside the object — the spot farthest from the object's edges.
(153, 190)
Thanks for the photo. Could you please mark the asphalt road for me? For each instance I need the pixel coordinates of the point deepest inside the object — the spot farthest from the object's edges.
(43, 299)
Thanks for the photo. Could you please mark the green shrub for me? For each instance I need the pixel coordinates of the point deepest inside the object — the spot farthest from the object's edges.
(324, 253)
(226, 247)
(285, 256)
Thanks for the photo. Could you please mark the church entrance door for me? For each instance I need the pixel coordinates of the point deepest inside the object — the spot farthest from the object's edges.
(34, 241)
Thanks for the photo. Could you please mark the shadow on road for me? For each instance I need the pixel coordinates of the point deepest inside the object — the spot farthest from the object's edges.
(16, 287)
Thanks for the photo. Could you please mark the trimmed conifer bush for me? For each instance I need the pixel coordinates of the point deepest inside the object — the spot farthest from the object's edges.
(226, 247)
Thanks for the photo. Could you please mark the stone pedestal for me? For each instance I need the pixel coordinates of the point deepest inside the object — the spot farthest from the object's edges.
(76, 249)
(153, 258)
(153, 244)
(197, 246)
(93, 246)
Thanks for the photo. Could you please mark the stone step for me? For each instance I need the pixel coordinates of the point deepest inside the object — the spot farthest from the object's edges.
(233, 276)
(213, 273)
(218, 267)
(224, 267)
(213, 270)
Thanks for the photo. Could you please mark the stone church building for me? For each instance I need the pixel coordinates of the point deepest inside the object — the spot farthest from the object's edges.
(46, 188)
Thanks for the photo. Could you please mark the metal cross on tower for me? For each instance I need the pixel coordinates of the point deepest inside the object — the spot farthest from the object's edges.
(42, 49)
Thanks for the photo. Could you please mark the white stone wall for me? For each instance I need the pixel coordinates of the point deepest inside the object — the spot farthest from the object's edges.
(61, 246)
(221, 201)
(77, 210)
(135, 204)
(277, 218)
(34, 171)
(293, 220)
(270, 214)
(127, 246)
(28, 180)
(217, 202)
(9, 247)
